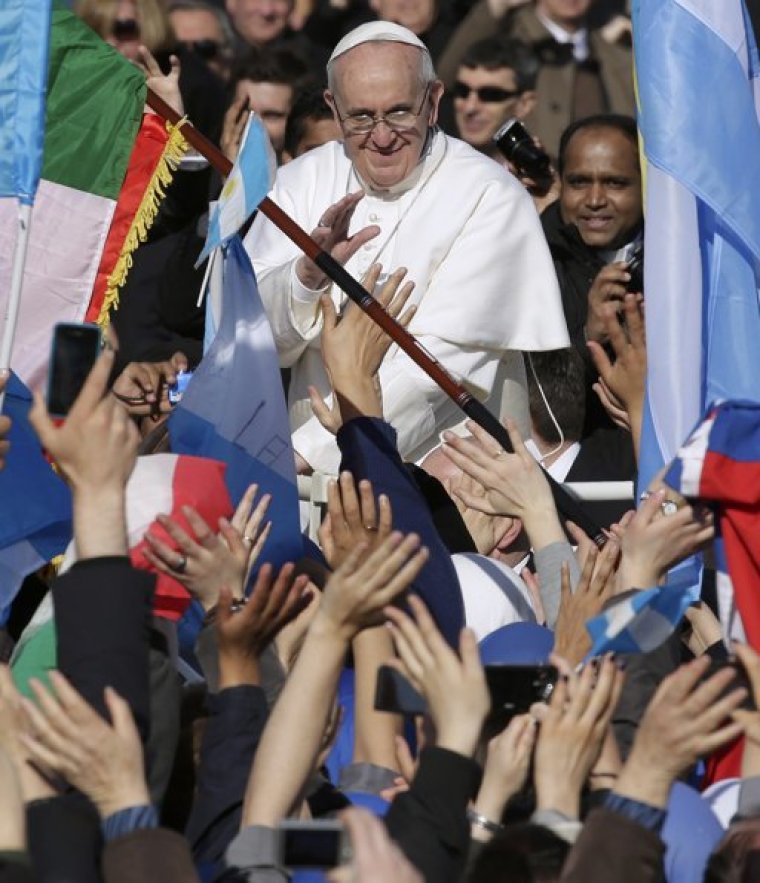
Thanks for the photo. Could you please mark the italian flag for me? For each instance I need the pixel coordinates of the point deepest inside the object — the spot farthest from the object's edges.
(105, 168)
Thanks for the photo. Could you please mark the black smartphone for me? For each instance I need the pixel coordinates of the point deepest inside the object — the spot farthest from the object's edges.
(73, 353)
(514, 688)
(394, 693)
(317, 843)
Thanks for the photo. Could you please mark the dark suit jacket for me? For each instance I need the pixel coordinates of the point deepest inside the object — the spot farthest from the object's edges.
(102, 618)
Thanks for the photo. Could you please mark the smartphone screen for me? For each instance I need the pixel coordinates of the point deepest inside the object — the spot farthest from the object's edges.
(316, 844)
(74, 352)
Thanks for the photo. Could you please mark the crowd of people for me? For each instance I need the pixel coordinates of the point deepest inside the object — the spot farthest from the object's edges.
(414, 698)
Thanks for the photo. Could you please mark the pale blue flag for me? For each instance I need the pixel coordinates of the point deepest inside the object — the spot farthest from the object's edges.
(24, 45)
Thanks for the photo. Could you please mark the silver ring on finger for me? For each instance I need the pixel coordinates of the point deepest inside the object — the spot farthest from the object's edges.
(247, 540)
(323, 223)
(181, 565)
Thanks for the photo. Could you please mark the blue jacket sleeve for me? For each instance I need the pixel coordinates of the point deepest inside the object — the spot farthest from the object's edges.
(236, 721)
(368, 449)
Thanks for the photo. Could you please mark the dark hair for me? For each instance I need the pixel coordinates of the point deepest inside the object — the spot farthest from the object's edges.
(309, 104)
(562, 376)
(735, 852)
(498, 52)
(269, 65)
(624, 124)
(521, 854)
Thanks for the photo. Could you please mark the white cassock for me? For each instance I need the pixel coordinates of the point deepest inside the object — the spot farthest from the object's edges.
(471, 240)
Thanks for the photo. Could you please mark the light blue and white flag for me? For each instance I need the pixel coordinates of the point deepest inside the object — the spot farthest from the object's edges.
(639, 623)
(24, 46)
(697, 73)
(698, 76)
(248, 183)
(234, 407)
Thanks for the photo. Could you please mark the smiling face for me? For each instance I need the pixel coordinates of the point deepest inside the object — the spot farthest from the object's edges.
(477, 120)
(377, 78)
(601, 187)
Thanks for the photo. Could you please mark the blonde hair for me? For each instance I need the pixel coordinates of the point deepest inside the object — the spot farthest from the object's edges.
(155, 29)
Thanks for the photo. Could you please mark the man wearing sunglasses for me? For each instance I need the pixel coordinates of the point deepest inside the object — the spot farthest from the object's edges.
(399, 192)
(495, 81)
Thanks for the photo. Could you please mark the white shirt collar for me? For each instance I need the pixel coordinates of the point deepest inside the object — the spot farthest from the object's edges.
(579, 39)
(561, 466)
(432, 155)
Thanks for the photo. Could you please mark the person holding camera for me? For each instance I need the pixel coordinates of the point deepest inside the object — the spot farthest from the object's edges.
(595, 233)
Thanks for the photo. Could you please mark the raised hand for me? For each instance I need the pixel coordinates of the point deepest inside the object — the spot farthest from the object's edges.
(622, 382)
(687, 719)
(353, 518)
(166, 86)
(595, 588)
(242, 634)
(653, 541)
(69, 738)
(205, 564)
(353, 348)
(512, 484)
(364, 584)
(749, 720)
(572, 730)
(609, 287)
(144, 386)
(506, 770)
(376, 858)
(234, 124)
(331, 234)
(454, 685)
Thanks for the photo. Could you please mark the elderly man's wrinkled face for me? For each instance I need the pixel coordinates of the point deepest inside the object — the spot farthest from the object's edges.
(601, 187)
(378, 79)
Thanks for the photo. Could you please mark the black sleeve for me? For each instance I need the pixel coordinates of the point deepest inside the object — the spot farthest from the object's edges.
(429, 821)
(102, 618)
(64, 839)
(237, 717)
(15, 868)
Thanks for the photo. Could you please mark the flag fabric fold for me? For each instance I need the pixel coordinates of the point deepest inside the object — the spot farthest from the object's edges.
(720, 464)
(35, 520)
(234, 407)
(700, 136)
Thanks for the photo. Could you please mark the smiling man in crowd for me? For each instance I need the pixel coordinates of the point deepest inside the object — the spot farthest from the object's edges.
(596, 227)
(399, 192)
(495, 81)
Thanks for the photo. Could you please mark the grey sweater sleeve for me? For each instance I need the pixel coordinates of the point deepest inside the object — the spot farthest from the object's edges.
(549, 562)
(253, 857)
(749, 798)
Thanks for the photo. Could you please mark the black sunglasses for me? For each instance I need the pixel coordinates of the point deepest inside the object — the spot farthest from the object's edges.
(207, 49)
(125, 29)
(489, 94)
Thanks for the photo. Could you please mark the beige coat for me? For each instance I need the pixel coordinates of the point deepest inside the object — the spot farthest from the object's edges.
(554, 108)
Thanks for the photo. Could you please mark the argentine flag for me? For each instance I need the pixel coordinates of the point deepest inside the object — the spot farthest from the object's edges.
(248, 183)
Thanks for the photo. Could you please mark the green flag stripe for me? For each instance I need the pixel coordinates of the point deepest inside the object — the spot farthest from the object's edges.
(94, 108)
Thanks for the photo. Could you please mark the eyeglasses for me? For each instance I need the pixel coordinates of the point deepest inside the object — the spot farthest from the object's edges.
(125, 29)
(488, 94)
(397, 120)
(207, 49)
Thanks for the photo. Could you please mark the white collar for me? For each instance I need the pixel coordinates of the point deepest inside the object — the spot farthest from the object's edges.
(432, 154)
(579, 39)
(559, 467)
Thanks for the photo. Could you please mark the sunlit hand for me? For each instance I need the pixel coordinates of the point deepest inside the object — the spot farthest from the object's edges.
(166, 86)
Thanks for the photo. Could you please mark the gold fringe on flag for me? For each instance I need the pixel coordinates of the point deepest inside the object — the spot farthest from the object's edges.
(162, 176)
